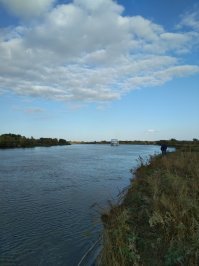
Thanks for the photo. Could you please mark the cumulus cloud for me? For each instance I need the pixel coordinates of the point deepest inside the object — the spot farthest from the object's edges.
(27, 8)
(88, 51)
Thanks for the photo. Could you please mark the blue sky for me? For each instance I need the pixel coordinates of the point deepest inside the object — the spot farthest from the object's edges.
(100, 69)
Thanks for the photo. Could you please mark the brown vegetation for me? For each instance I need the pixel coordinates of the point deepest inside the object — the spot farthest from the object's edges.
(158, 220)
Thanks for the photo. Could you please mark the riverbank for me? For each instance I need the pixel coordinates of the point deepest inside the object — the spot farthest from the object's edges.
(8, 141)
(157, 222)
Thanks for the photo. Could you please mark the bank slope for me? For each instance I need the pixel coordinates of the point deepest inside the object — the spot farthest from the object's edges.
(158, 220)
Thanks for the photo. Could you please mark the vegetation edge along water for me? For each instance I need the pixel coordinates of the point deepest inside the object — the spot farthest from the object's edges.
(157, 221)
(18, 141)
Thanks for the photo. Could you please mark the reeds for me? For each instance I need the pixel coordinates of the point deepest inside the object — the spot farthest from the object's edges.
(158, 220)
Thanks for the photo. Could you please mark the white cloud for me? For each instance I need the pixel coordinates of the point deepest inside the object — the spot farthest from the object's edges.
(99, 5)
(176, 71)
(190, 19)
(151, 131)
(27, 8)
(88, 51)
(144, 28)
(190, 22)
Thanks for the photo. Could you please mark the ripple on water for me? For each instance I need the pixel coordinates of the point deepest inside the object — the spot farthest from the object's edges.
(45, 198)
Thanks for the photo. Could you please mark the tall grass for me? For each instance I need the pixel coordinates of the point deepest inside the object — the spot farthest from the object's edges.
(158, 220)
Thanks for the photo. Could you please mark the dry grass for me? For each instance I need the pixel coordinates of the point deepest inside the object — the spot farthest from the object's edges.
(158, 220)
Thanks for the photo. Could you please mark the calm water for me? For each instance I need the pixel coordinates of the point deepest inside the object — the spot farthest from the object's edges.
(46, 196)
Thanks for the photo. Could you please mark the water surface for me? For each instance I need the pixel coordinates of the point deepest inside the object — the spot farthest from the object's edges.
(46, 196)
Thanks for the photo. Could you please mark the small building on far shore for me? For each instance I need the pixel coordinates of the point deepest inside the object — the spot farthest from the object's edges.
(114, 142)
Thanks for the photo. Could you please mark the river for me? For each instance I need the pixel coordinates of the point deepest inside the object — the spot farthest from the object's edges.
(51, 199)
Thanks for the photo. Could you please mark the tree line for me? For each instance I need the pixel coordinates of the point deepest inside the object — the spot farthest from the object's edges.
(18, 141)
(183, 145)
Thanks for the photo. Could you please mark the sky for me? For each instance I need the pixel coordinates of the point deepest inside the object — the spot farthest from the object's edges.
(100, 69)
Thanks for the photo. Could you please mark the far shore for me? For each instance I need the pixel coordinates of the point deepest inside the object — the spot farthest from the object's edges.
(18, 141)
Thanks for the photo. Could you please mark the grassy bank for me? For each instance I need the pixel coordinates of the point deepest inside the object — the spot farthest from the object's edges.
(157, 222)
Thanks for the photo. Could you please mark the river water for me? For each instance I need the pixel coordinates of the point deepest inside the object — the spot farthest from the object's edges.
(51, 199)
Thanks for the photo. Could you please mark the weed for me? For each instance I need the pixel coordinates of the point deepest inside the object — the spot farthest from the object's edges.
(157, 222)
